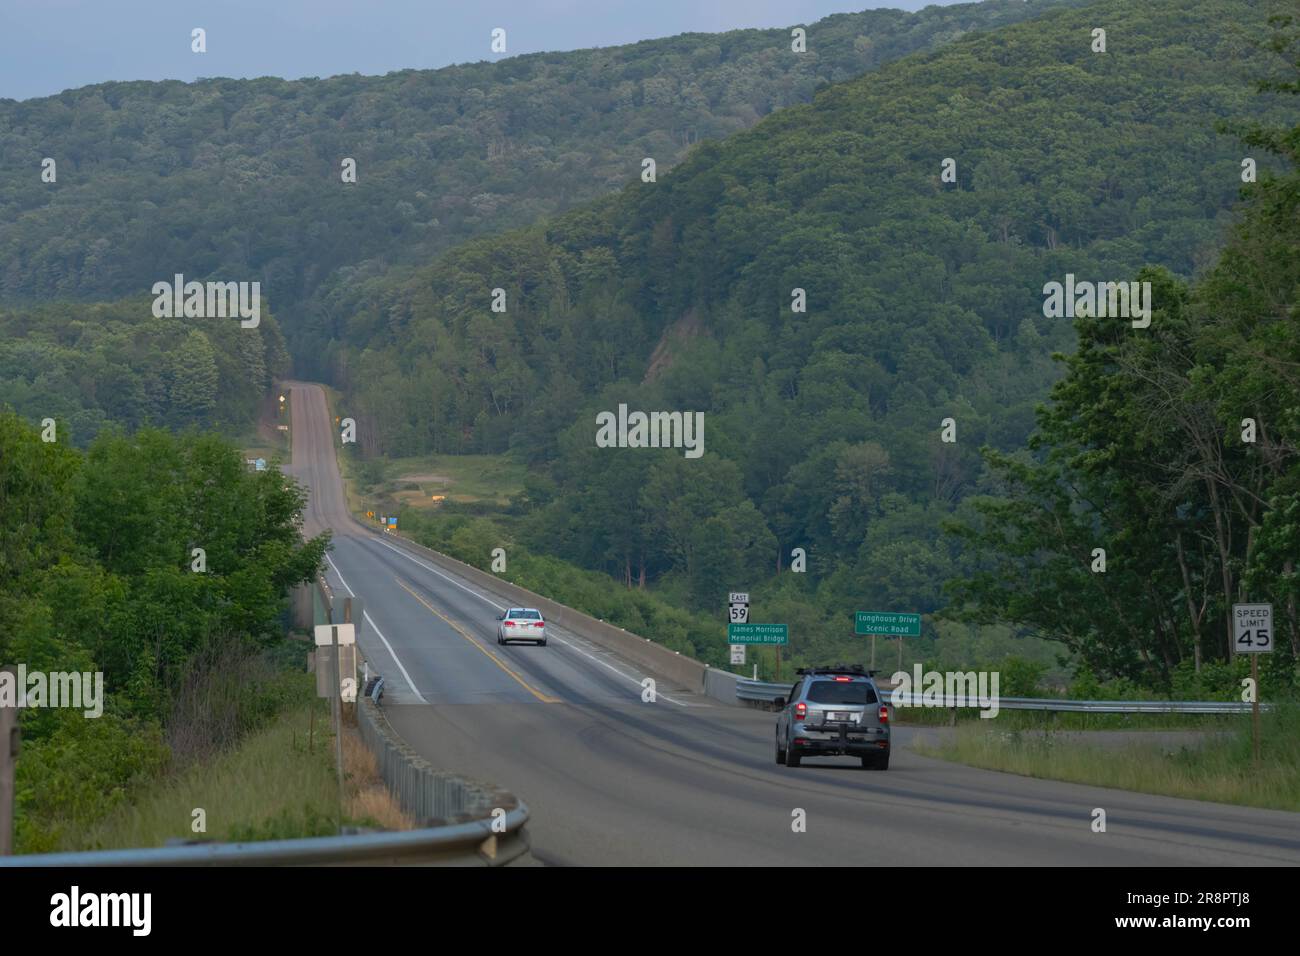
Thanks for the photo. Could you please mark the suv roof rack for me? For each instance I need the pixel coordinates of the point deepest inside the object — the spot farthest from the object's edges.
(856, 669)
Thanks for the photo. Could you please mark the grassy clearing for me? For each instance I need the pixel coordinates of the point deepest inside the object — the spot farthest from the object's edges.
(1220, 771)
(493, 478)
(269, 787)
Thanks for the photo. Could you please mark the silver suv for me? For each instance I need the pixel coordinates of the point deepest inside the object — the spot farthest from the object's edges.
(833, 711)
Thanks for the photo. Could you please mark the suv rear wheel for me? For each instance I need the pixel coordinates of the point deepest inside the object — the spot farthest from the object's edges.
(792, 756)
(780, 754)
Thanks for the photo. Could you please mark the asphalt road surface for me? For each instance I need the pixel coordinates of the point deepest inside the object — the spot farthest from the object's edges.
(610, 779)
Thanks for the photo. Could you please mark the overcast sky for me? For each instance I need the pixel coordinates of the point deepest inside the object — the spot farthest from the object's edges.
(47, 46)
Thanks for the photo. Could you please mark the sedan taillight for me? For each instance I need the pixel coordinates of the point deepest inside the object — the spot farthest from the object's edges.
(540, 624)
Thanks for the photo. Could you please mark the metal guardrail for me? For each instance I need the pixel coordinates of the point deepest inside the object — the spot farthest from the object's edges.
(423, 791)
(764, 692)
(1099, 706)
(760, 691)
(459, 845)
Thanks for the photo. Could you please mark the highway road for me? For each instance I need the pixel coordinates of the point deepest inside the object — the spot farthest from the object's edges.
(612, 780)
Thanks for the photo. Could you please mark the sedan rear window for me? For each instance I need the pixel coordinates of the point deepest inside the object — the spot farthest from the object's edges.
(841, 692)
(521, 615)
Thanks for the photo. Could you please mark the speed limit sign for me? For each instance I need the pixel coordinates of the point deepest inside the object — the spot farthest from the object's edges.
(1252, 628)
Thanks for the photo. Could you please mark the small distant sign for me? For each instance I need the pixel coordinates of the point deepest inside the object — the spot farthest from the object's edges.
(887, 622)
(260, 464)
(758, 634)
(738, 607)
(347, 634)
(737, 653)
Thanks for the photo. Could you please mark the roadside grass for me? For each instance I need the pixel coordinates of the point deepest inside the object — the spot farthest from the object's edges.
(1011, 720)
(269, 787)
(1221, 771)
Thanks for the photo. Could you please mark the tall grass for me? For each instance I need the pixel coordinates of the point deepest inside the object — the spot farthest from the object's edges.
(271, 786)
(1220, 770)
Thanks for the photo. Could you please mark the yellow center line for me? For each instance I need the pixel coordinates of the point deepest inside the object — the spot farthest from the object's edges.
(544, 698)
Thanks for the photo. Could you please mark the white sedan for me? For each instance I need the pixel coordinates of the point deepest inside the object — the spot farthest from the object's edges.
(521, 624)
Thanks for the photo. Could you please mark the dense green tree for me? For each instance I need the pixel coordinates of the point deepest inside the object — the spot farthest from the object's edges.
(1175, 449)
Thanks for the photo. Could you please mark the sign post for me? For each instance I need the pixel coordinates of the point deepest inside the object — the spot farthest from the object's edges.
(338, 715)
(341, 639)
(1252, 633)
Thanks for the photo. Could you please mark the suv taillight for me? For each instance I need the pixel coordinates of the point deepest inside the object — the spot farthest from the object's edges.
(884, 713)
(800, 710)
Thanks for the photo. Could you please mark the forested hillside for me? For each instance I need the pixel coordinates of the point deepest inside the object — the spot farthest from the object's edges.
(241, 180)
(93, 364)
(924, 303)
(1175, 452)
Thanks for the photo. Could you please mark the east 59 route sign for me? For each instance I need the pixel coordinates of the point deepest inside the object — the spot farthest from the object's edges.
(758, 634)
(887, 622)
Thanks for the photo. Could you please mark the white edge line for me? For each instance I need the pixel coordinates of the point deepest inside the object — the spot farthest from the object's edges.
(499, 607)
(366, 614)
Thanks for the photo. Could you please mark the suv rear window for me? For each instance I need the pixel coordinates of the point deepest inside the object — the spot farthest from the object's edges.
(841, 692)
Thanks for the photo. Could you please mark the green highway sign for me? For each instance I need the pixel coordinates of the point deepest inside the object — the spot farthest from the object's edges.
(758, 634)
(887, 622)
